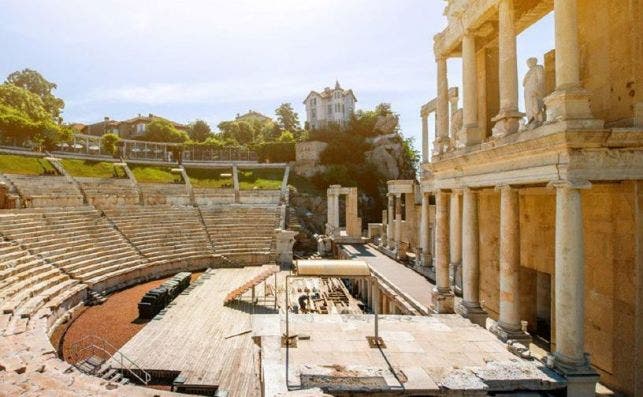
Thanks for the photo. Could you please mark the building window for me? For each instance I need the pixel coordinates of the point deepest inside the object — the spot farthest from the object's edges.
(314, 113)
(330, 109)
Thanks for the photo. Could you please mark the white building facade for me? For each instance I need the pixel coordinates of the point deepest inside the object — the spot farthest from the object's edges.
(329, 106)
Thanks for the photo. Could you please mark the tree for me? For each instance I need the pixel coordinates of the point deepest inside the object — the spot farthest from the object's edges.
(109, 141)
(199, 131)
(286, 136)
(24, 101)
(35, 83)
(160, 130)
(246, 133)
(287, 119)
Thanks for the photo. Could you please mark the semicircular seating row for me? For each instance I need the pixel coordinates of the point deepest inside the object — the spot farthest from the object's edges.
(49, 257)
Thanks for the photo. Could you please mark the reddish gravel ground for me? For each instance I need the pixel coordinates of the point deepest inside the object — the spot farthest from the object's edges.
(116, 320)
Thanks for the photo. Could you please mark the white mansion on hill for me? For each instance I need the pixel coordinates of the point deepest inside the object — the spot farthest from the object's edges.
(329, 106)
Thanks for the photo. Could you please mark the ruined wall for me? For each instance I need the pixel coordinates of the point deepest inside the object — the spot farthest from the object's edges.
(611, 52)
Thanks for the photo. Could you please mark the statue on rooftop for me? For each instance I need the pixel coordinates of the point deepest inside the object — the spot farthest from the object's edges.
(456, 129)
(534, 83)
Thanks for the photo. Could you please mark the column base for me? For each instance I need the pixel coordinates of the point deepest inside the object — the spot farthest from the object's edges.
(505, 333)
(570, 104)
(441, 144)
(442, 302)
(507, 123)
(581, 377)
(472, 135)
(472, 311)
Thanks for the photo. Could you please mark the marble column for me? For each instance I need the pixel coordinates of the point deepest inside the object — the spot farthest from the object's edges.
(570, 357)
(442, 110)
(384, 305)
(470, 305)
(441, 296)
(455, 236)
(508, 326)
(569, 101)
(508, 119)
(398, 223)
(425, 138)
(390, 226)
(392, 309)
(471, 134)
(425, 250)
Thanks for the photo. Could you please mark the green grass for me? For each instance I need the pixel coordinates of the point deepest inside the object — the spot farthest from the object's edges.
(260, 179)
(25, 165)
(93, 169)
(152, 174)
(211, 178)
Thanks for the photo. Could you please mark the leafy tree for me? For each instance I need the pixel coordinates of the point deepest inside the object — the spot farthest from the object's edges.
(109, 141)
(199, 131)
(160, 130)
(35, 83)
(229, 129)
(246, 133)
(24, 101)
(286, 136)
(287, 119)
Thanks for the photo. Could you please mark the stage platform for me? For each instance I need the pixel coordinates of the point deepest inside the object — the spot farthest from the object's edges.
(423, 355)
(202, 341)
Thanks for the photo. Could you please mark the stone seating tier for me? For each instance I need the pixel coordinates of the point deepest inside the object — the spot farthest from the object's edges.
(46, 191)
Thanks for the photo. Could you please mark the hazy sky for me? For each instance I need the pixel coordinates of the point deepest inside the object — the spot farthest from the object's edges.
(212, 59)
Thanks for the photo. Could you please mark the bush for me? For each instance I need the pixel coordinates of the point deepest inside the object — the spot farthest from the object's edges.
(109, 142)
(276, 152)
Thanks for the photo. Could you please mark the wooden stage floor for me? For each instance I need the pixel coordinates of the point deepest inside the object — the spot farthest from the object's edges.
(206, 342)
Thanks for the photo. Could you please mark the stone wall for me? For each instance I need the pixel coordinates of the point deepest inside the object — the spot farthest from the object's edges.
(610, 272)
(612, 57)
(259, 196)
(307, 156)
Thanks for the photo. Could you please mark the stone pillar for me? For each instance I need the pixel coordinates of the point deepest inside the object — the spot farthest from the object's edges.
(425, 250)
(384, 304)
(332, 227)
(455, 236)
(508, 119)
(471, 134)
(570, 357)
(441, 296)
(390, 227)
(569, 101)
(425, 138)
(353, 221)
(384, 230)
(398, 223)
(442, 111)
(508, 326)
(470, 305)
(375, 297)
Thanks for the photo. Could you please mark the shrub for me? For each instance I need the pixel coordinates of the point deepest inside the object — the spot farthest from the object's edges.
(276, 152)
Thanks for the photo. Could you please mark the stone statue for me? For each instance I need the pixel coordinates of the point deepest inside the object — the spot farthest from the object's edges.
(534, 83)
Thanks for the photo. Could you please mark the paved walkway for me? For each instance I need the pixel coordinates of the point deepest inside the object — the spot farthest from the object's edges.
(404, 279)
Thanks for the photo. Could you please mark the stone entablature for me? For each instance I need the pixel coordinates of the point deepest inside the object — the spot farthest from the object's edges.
(400, 186)
(536, 157)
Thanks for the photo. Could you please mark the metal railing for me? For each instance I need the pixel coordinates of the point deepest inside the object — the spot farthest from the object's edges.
(92, 345)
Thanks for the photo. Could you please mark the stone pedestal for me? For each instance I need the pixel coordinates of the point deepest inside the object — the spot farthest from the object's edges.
(442, 301)
(285, 240)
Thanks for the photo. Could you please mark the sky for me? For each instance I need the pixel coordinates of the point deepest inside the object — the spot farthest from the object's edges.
(210, 60)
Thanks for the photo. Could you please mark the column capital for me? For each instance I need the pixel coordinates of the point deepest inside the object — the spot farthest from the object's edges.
(505, 186)
(471, 190)
(570, 184)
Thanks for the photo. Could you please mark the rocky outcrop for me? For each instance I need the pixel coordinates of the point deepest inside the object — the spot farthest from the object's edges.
(386, 155)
